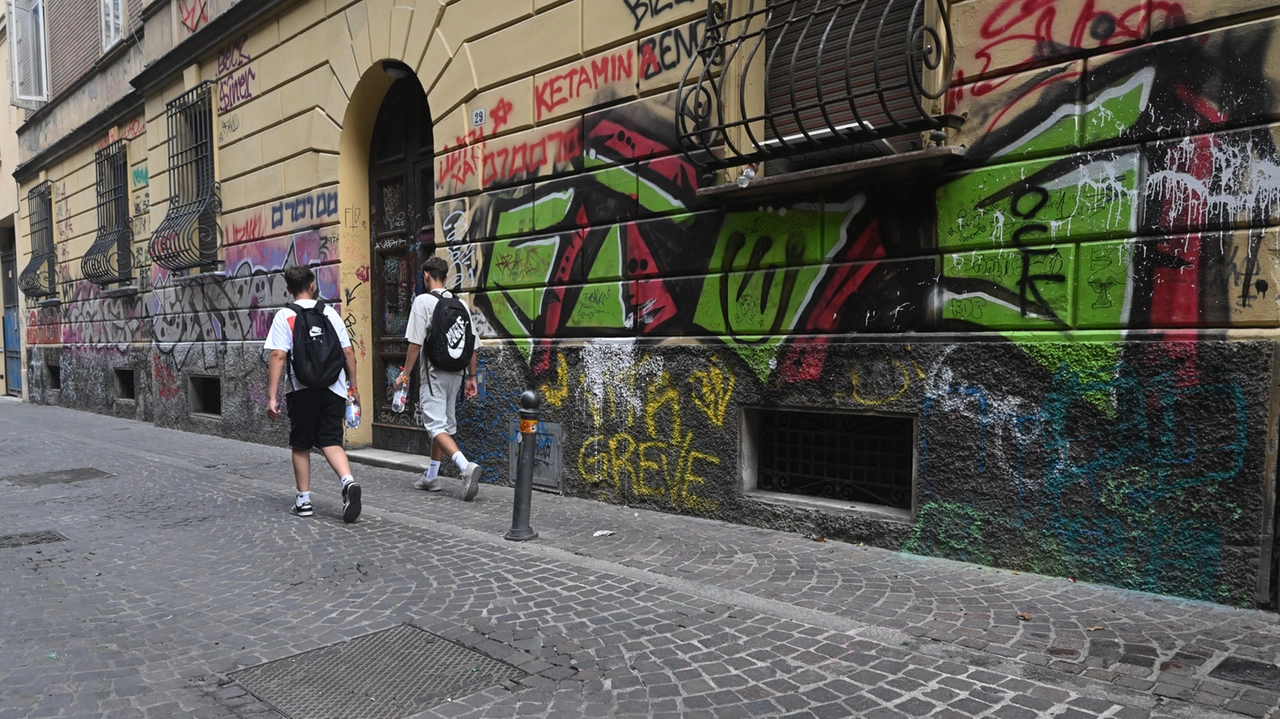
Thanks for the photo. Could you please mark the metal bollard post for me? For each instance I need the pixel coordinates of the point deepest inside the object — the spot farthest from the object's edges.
(520, 529)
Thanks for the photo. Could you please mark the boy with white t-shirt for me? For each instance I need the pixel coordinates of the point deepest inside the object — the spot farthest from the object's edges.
(315, 413)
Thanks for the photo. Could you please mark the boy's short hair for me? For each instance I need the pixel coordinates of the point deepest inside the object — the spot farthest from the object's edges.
(298, 279)
(436, 267)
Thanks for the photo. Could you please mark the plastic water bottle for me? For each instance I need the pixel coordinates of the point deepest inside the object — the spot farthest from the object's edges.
(353, 411)
(401, 397)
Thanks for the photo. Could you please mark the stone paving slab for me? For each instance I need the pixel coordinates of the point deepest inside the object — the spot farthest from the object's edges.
(186, 567)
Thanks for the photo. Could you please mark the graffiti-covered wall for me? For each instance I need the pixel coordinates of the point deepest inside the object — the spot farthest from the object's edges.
(1075, 325)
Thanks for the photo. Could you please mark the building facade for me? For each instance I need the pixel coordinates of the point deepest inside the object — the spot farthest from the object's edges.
(986, 280)
(11, 340)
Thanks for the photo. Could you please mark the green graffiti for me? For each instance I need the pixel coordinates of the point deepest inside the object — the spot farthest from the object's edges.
(1029, 203)
(1018, 289)
(762, 270)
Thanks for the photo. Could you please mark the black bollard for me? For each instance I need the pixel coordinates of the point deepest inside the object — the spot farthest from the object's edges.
(520, 529)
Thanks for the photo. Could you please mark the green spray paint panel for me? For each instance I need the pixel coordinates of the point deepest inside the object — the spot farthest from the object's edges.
(522, 263)
(1031, 288)
(1079, 197)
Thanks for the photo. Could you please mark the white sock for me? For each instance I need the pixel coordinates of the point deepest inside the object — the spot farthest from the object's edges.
(433, 470)
(460, 460)
(303, 498)
(347, 479)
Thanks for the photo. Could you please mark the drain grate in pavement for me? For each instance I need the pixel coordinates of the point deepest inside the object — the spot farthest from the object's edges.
(386, 675)
(58, 476)
(9, 541)
(1247, 671)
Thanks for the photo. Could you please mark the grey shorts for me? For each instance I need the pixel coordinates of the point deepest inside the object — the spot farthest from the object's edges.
(439, 401)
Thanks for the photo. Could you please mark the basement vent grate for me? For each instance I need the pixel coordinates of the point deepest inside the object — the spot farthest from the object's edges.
(59, 476)
(1247, 671)
(385, 675)
(26, 539)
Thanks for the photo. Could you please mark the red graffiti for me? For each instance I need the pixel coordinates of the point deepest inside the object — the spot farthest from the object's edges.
(166, 382)
(507, 161)
(194, 14)
(246, 230)
(1036, 25)
(362, 273)
(588, 77)
(135, 128)
(501, 113)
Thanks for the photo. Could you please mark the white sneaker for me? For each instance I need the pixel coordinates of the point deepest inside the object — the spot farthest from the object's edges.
(470, 482)
(429, 485)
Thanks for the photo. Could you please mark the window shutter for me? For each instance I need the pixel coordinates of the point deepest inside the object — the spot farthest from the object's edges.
(29, 77)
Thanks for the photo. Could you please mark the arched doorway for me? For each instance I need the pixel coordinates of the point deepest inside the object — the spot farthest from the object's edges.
(402, 232)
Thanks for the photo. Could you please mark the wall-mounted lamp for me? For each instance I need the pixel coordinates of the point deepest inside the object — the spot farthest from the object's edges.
(396, 69)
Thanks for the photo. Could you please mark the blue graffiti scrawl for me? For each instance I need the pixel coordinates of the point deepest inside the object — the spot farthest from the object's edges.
(482, 421)
(1133, 493)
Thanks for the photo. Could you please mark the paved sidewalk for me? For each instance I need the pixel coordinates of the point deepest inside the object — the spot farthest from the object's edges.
(185, 567)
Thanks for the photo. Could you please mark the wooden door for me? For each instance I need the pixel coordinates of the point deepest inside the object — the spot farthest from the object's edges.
(402, 232)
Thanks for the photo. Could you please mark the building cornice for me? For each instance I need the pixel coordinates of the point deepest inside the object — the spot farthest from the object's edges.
(70, 142)
(237, 20)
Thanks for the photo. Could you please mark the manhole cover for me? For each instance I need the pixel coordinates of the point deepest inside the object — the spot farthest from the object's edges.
(59, 476)
(1247, 671)
(387, 675)
(9, 541)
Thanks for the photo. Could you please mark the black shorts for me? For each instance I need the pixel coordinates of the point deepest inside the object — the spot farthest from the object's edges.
(316, 417)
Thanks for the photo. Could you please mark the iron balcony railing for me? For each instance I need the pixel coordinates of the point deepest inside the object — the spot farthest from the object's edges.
(110, 258)
(835, 73)
(190, 236)
(38, 278)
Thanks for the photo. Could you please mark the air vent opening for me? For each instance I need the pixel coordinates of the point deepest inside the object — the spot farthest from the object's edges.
(125, 388)
(53, 375)
(205, 395)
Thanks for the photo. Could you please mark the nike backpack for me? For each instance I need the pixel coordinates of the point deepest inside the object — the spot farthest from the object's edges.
(317, 358)
(451, 342)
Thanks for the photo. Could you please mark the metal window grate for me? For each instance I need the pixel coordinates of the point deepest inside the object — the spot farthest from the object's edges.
(110, 258)
(189, 236)
(835, 72)
(37, 278)
(856, 458)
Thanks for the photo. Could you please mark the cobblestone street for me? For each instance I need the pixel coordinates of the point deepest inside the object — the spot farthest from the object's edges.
(183, 566)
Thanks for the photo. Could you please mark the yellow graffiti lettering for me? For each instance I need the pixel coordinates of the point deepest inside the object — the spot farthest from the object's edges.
(596, 469)
(556, 395)
(641, 486)
(715, 388)
(873, 402)
(621, 463)
(662, 394)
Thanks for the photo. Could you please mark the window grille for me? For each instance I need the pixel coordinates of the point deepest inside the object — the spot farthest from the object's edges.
(110, 258)
(28, 53)
(850, 457)
(834, 72)
(111, 13)
(37, 278)
(189, 236)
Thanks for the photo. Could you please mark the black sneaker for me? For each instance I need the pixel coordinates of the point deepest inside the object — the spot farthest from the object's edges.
(350, 502)
(301, 510)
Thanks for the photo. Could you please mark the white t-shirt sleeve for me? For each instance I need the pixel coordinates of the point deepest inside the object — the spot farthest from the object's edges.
(338, 326)
(419, 321)
(281, 335)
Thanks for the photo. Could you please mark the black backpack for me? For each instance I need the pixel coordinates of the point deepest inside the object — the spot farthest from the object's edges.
(451, 342)
(317, 357)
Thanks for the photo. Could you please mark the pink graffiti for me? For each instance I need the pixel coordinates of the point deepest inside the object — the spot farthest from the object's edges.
(362, 273)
